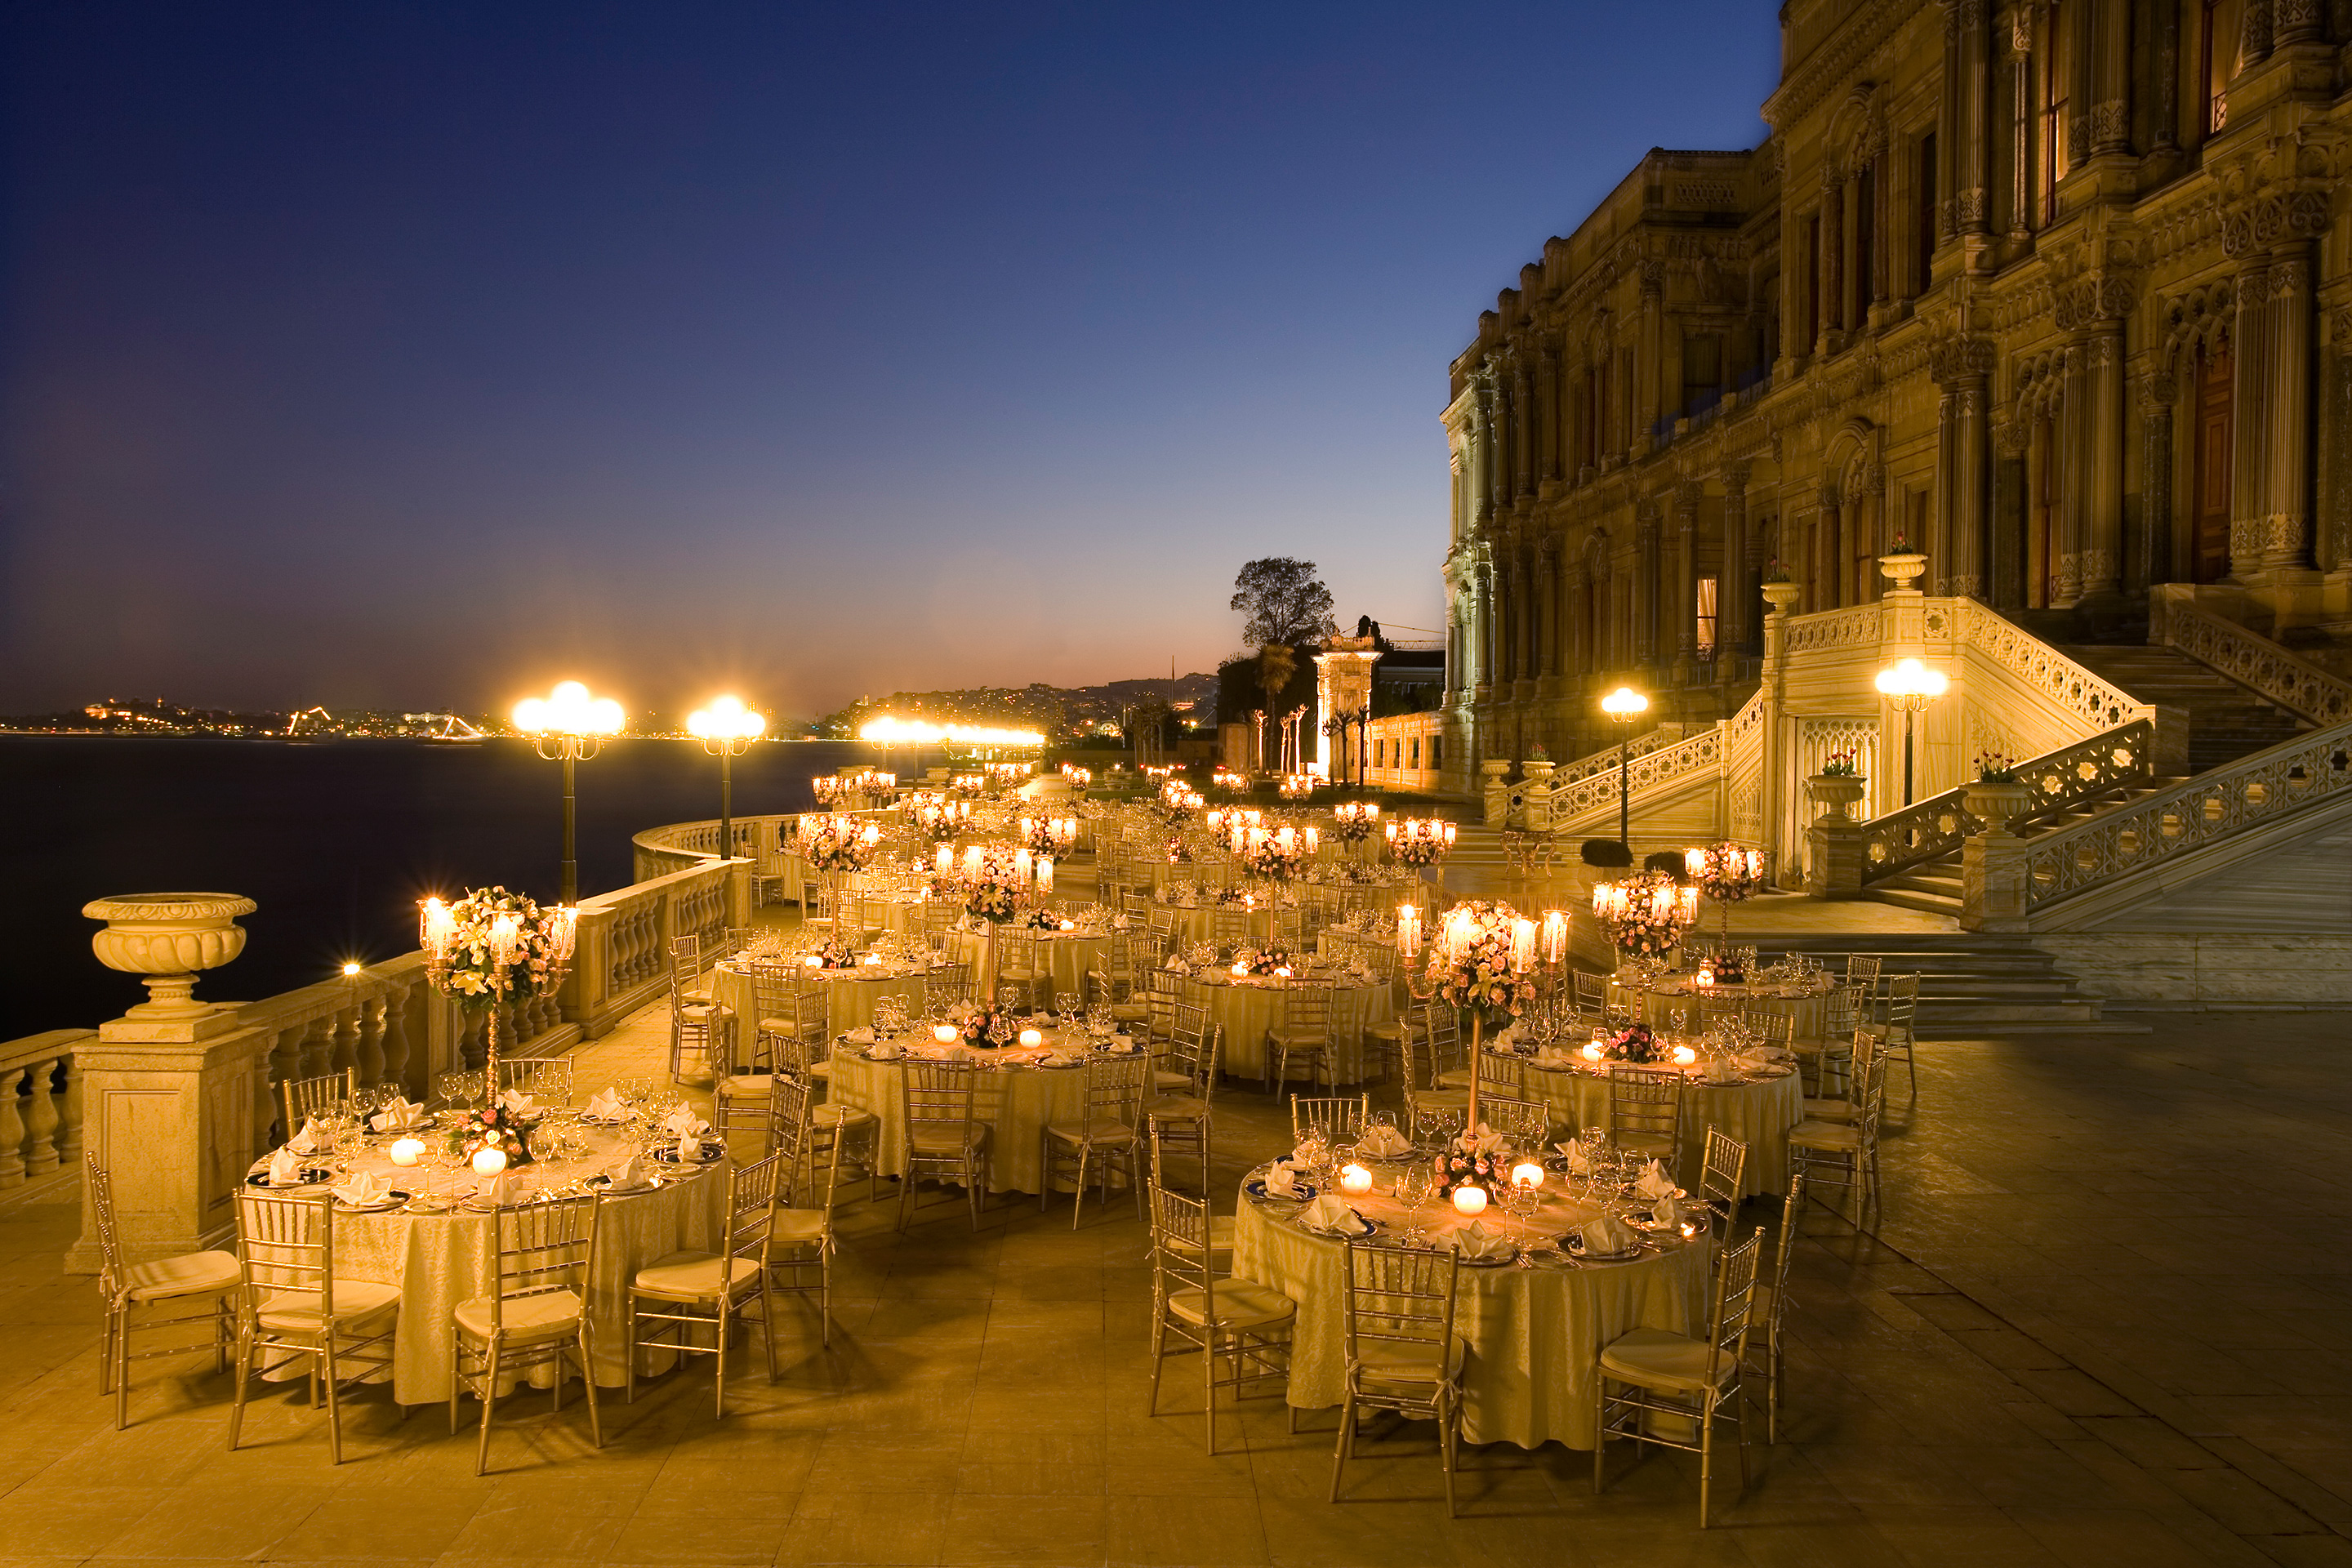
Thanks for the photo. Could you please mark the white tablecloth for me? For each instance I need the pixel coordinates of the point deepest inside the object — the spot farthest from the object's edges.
(1248, 1009)
(439, 1260)
(1678, 993)
(1759, 1115)
(1535, 1334)
(850, 995)
(1068, 955)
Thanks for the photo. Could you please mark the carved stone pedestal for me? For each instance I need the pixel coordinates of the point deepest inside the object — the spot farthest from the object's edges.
(1992, 882)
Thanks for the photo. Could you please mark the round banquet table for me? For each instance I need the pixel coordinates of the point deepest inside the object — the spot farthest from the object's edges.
(1194, 924)
(1801, 1003)
(850, 995)
(1759, 1113)
(1247, 1008)
(1014, 1095)
(1068, 955)
(440, 1259)
(1534, 1334)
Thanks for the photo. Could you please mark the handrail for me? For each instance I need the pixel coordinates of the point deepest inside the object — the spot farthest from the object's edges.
(2072, 773)
(2248, 792)
(2249, 658)
(1605, 759)
(2094, 699)
(40, 1127)
(1701, 753)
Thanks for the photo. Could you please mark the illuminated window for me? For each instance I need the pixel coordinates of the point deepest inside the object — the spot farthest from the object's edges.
(2218, 41)
(1705, 617)
(2054, 66)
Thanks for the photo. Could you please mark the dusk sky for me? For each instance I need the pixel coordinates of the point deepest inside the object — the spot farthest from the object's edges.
(401, 355)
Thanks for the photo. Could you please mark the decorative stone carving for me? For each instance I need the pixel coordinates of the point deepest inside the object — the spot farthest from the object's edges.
(1954, 359)
(168, 938)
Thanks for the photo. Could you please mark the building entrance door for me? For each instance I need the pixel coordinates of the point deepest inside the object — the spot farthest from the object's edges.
(2208, 528)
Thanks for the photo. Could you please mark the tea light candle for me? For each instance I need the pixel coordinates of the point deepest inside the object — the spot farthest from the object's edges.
(1241, 968)
(489, 1161)
(1591, 1051)
(1685, 1056)
(945, 861)
(1069, 925)
(873, 958)
(1355, 1181)
(1527, 1174)
(407, 1151)
(946, 1034)
(1032, 1038)
(1469, 1201)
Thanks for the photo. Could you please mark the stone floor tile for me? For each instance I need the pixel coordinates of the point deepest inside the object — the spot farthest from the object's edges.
(876, 1528)
(1180, 1530)
(1022, 1531)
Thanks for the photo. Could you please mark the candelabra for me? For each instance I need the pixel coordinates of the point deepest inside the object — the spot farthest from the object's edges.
(570, 727)
(472, 951)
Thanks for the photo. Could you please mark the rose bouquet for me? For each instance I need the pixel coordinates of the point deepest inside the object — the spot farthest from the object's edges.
(832, 955)
(983, 1023)
(1261, 960)
(490, 1126)
(1646, 912)
(1420, 841)
(833, 844)
(1470, 962)
(989, 886)
(1479, 1159)
(1179, 852)
(1634, 1043)
(1278, 855)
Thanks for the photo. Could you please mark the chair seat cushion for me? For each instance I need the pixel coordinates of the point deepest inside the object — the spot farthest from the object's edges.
(1389, 1032)
(832, 1117)
(945, 1137)
(1837, 1137)
(745, 1085)
(1829, 1110)
(694, 1276)
(1297, 1044)
(1162, 1079)
(1132, 1012)
(190, 1274)
(1096, 1130)
(1240, 1304)
(797, 1227)
(1443, 1098)
(1176, 1107)
(1458, 1079)
(359, 1304)
(549, 1315)
(704, 1012)
(1648, 1145)
(1391, 1363)
(1656, 1359)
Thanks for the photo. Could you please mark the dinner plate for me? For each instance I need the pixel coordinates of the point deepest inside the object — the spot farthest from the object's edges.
(1502, 1262)
(1573, 1245)
(1305, 1192)
(711, 1153)
(391, 1200)
(309, 1179)
(1650, 1226)
(1372, 1228)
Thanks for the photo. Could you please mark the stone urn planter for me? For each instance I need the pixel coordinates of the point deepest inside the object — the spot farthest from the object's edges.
(168, 938)
(1901, 570)
(1999, 805)
(1837, 792)
(1784, 598)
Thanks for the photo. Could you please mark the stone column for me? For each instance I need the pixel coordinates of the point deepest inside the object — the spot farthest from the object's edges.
(1833, 263)
(2111, 80)
(2010, 440)
(1645, 585)
(1686, 606)
(1482, 448)
(2250, 425)
(2017, 42)
(2152, 560)
(2073, 487)
(1962, 366)
(2254, 36)
(1731, 589)
(1523, 406)
(2163, 76)
(1551, 404)
(1948, 129)
(2103, 552)
(1970, 209)
(2286, 539)
(2082, 88)
(1649, 366)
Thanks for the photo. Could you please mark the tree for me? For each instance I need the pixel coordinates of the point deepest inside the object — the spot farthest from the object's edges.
(1284, 600)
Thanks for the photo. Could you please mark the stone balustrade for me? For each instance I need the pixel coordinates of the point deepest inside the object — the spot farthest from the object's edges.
(40, 1105)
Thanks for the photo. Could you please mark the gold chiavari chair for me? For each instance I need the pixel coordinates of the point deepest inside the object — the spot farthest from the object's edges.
(1303, 1038)
(1831, 1055)
(1340, 1119)
(1679, 1378)
(788, 1009)
(1525, 1123)
(1501, 1072)
(1160, 1007)
(305, 1098)
(1231, 1323)
(1818, 1107)
(547, 1079)
(1646, 1112)
(1440, 1031)
(1177, 1069)
(1021, 966)
(536, 1313)
(689, 1292)
(1402, 1354)
(1383, 1038)
(1229, 927)
(1773, 1305)
(1863, 970)
(737, 938)
(1894, 1031)
(789, 1135)
(1723, 1175)
(1844, 1154)
(135, 1294)
(948, 984)
(799, 1236)
(292, 1307)
(946, 1140)
(696, 1023)
(1715, 1010)
(1592, 995)
(1418, 1099)
(939, 920)
(739, 1092)
(1182, 1111)
(1108, 1134)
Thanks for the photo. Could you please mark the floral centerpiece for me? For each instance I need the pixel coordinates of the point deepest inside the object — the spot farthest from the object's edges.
(1725, 874)
(492, 947)
(1478, 1159)
(989, 886)
(1470, 963)
(1420, 841)
(1235, 896)
(832, 955)
(1178, 802)
(1646, 912)
(1049, 835)
(490, 1126)
(1179, 852)
(1295, 786)
(1040, 920)
(1634, 1043)
(983, 1023)
(834, 844)
(1261, 960)
(1354, 820)
(1278, 854)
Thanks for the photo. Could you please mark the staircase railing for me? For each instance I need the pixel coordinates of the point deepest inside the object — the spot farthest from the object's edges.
(2066, 777)
(2246, 794)
(1557, 806)
(1605, 759)
(2091, 696)
(2251, 660)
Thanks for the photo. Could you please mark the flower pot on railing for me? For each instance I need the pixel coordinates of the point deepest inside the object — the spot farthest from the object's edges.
(1837, 793)
(168, 938)
(1784, 598)
(1901, 569)
(1999, 803)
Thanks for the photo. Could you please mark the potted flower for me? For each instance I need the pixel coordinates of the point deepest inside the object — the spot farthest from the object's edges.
(1838, 785)
(1997, 797)
(1780, 590)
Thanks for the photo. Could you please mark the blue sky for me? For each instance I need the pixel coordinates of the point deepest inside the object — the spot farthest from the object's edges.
(411, 354)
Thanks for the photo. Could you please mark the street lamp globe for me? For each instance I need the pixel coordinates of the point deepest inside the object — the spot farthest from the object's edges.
(1623, 703)
(570, 727)
(725, 730)
(1910, 685)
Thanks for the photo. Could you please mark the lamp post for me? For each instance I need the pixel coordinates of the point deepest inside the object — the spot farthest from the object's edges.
(1624, 705)
(570, 727)
(1910, 685)
(725, 730)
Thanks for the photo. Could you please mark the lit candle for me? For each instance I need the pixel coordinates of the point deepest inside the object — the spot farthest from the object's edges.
(1408, 930)
(1069, 925)
(1216, 821)
(1705, 977)
(407, 1151)
(1527, 1174)
(971, 861)
(1044, 873)
(945, 861)
(1020, 865)
(1314, 840)
(1469, 1201)
(1685, 1056)
(1694, 862)
(873, 958)
(1355, 1180)
(1032, 1037)
(1240, 967)
(946, 1034)
(489, 1161)
(1523, 945)
(1555, 935)
(1591, 1052)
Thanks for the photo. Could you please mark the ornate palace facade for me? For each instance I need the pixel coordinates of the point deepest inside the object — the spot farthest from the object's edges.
(2057, 292)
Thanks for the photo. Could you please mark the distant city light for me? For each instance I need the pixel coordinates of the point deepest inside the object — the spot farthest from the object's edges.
(915, 731)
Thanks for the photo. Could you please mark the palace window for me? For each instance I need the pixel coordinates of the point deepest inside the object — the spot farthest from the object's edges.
(1926, 215)
(1702, 373)
(1813, 280)
(1706, 638)
(1866, 240)
(2054, 69)
(2218, 49)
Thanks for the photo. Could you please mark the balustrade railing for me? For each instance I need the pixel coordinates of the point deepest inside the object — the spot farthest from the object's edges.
(40, 1106)
(2249, 792)
(622, 960)
(1557, 807)
(2249, 658)
(2061, 779)
(2092, 699)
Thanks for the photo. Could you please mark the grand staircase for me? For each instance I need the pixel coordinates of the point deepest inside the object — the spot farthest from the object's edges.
(1969, 985)
(2226, 721)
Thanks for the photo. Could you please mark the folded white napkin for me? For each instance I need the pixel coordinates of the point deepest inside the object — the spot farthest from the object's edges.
(504, 1190)
(1579, 1164)
(629, 1175)
(1653, 1182)
(604, 1106)
(285, 1170)
(1608, 1234)
(1057, 1059)
(401, 1113)
(685, 1123)
(1474, 1240)
(362, 1189)
(861, 1036)
(883, 1050)
(1334, 1217)
(1486, 1141)
(1282, 1179)
(1721, 1069)
(689, 1149)
(514, 1102)
(1123, 1044)
(1382, 1141)
(1555, 1058)
(304, 1142)
(1667, 1211)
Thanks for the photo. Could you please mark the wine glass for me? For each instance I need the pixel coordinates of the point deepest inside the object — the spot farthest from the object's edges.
(1414, 1186)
